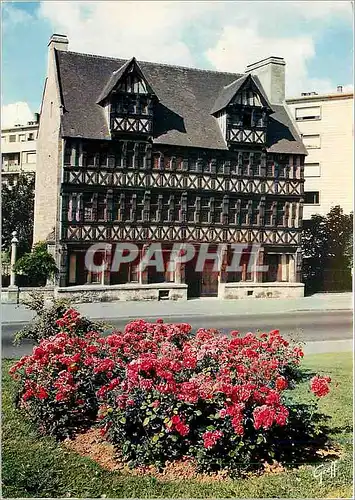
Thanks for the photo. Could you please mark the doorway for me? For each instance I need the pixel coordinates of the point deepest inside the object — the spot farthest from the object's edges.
(201, 284)
(274, 264)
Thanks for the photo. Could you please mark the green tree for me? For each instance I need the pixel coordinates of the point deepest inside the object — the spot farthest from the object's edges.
(327, 251)
(38, 265)
(18, 212)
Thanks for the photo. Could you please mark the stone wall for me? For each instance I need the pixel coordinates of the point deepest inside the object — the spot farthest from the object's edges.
(127, 292)
(49, 153)
(154, 291)
(277, 290)
(18, 295)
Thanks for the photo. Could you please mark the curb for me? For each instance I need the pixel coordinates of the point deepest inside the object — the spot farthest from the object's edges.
(192, 315)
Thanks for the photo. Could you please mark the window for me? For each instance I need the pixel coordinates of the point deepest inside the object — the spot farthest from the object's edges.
(310, 113)
(311, 197)
(269, 213)
(3, 138)
(280, 212)
(101, 207)
(12, 138)
(311, 170)
(311, 141)
(31, 136)
(247, 118)
(30, 157)
(11, 160)
(22, 137)
(88, 208)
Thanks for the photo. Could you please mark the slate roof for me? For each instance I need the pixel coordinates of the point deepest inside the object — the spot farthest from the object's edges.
(182, 116)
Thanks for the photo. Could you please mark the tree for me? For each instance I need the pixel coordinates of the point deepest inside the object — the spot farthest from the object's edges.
(327, 251)
(38, 266)
(18, 212)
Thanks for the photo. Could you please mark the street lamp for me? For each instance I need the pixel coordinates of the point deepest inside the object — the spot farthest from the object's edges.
(14, 243)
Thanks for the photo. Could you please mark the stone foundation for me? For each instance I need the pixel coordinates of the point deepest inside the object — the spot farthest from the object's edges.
(111, 293)
(154, 291)
(18, 294)
(277, 290)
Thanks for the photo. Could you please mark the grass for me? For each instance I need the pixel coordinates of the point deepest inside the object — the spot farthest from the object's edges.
(40, 467)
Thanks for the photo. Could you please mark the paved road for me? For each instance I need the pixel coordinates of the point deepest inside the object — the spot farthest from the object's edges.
(308, 326)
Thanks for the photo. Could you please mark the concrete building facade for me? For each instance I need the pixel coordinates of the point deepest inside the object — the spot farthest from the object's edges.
(325, 123)
(18, 150)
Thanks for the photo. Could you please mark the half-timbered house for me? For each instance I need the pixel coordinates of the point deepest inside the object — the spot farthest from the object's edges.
(145, 152)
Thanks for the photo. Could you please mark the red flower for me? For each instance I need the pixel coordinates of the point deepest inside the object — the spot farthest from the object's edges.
(281, 383)
(263, 417)
(211, 438)
(319, 386)
(42, 393)
(91, 349)
(182, 429)
(175, 420)
(281, 415)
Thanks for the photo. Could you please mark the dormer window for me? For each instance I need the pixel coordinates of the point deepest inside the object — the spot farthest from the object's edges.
(130, 101)
(242, 110)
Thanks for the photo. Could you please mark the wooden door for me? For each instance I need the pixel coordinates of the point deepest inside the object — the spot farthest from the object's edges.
(274, 267)
(209, 281)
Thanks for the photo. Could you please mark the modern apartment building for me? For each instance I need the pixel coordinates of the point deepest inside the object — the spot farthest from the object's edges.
(18, 150)
(325, 122)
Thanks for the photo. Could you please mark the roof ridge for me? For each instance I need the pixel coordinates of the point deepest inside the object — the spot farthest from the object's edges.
(155, 63)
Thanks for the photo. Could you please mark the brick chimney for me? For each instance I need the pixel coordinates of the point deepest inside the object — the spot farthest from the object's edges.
(271, 73)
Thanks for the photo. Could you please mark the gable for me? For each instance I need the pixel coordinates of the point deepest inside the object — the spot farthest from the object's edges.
(246, 90)
(249, 94)
(129, 78)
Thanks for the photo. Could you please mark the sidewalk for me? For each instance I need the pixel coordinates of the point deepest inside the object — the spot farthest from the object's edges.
(11, 313)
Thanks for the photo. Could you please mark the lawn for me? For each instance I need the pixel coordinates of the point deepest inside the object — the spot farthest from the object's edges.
(40, 467)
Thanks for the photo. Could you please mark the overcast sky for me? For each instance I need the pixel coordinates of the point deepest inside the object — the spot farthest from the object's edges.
(315, 38)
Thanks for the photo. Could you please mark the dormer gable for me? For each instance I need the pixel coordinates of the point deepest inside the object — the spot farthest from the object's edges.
(129, 99)
(129, 78)
(242, 110)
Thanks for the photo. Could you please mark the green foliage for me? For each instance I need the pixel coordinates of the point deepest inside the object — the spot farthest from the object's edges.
(38, 265)
(327, 251)
(18, 212)
(44, 325)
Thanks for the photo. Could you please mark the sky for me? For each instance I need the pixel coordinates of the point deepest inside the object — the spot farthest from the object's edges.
(314, 37)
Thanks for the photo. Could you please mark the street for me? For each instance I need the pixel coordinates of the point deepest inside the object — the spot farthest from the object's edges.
(308, 326)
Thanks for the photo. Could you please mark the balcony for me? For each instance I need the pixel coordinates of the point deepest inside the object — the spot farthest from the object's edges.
(136, 124)
(246, 136)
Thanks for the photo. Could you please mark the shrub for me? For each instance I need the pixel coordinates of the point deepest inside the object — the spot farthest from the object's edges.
(37, 266)
(217, 399)
(161, 392)
(59, 381)
(45, 325)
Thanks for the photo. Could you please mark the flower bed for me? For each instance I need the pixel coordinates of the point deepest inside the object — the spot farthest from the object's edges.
(161, 392)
